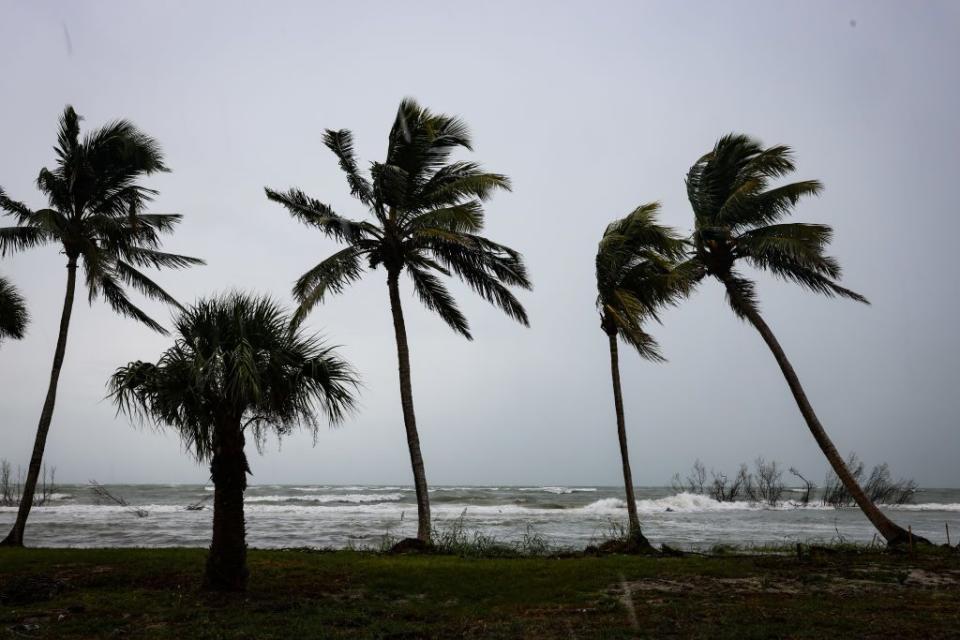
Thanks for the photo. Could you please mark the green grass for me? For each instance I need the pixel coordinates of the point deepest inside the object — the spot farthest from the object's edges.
(114, 593)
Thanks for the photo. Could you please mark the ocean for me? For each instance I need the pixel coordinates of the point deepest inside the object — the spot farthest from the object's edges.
(325, 516)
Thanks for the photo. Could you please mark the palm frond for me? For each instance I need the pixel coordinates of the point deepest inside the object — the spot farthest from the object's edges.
(436, 298)
(107, 286)
(341, 143)
(741, 295)
(795, 243)
(330, 276)
(14, 208)
(143, 257)
(460, 218)
(457, 181)
(139, 281)
(765, 207)
(16, 239)
(631, 332)
(14, 316)
(808, 278)
(319, 215)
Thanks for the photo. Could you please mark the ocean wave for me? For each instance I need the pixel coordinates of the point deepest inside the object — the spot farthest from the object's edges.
(325, 498)
(559, 490)
(688, 503)
(359, 487)
(925, 506)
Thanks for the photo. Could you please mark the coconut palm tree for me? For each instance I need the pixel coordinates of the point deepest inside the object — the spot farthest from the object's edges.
(636, 276)
(426, 215)
(737, 216)
(95, 215)
(236, 368)
(13, 312)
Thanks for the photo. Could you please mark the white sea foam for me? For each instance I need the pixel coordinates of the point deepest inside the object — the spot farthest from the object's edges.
(927, 506)
(346, 498)
(559, 490)
(689, 503)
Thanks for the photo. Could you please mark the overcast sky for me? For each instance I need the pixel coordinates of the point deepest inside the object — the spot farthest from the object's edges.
(591, 109)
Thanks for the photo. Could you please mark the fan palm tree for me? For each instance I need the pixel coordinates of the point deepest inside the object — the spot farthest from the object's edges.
(13, 312)
(236, 367)
(95, 215)
(737, 214)
(426, 216)
(636, 276)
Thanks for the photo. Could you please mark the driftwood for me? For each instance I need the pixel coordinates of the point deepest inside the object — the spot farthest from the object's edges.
(103, 494)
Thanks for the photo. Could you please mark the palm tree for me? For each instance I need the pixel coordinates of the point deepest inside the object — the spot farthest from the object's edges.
(95, 216)
(636, 275)
(737, 214)
(13, 312)
(236, 367)
(427, 214)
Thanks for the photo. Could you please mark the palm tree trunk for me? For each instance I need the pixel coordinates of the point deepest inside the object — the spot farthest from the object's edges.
(892, 533)
(226, 568)
(15, 537)
(622, 435)
(409, 418)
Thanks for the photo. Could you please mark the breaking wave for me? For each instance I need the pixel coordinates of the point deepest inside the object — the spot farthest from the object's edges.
(343, 498)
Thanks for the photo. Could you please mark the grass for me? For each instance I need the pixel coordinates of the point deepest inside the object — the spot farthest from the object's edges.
(152, 593)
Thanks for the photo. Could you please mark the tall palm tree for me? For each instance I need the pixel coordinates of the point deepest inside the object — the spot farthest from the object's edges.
(13, 312)
(95, 215)
(426, 216)
(737, 214)
(236, 367)
(636, 276)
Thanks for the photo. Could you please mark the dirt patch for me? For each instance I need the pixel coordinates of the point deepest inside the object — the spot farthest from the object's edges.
(922, 578)
(789, 585)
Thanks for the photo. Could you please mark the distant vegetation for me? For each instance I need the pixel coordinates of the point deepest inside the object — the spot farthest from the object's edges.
(765, 484)
(11, 485)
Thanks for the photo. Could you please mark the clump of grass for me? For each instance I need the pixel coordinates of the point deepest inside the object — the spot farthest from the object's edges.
(455, 538)
(618, 539)
(458, 540)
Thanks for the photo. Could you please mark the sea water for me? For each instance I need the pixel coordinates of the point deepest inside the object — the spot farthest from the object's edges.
(328, 516)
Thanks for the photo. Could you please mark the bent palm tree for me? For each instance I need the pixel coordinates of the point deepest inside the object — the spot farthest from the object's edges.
(427, 214)
(95, 215)
(636, 275)
(235, 367)
(13, 312)
(736, 218)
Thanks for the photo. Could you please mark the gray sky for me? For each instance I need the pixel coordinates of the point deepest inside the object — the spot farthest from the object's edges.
(592, 109)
